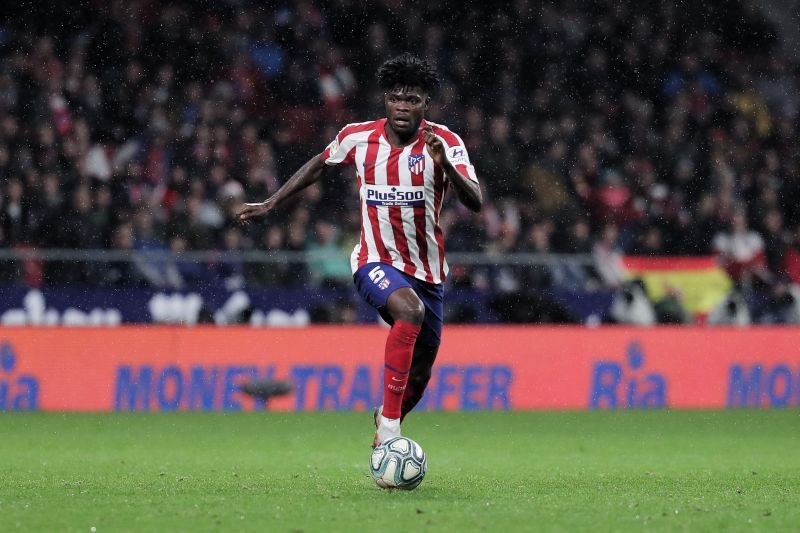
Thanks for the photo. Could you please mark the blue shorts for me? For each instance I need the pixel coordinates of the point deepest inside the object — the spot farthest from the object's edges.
(376, 281)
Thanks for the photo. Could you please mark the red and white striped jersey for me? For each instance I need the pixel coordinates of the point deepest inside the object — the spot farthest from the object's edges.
(401, 192)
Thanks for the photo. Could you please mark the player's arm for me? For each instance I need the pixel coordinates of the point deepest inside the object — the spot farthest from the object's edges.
(309, 173)
(467, 190)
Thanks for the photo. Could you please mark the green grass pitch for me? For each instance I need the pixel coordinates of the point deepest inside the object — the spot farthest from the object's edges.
(551, 471)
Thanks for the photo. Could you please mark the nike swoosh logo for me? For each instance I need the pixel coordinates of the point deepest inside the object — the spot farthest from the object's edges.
(395, 379)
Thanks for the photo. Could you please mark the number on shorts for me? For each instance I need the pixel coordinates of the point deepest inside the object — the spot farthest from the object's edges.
(376, 274)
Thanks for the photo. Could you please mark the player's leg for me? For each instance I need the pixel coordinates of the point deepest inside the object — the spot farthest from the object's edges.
(387, 290)
(427, 346)
(407, 312)
(419, 376)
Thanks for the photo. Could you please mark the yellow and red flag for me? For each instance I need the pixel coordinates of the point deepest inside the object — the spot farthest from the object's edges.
(702, 282)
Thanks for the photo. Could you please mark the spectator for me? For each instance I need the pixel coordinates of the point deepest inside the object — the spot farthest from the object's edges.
(122, 273)
(631, 306)
(328, 264)
(732, 311)
(608, 257)
(775, 242)
(157, 268)
(232, 271)
(741, 252)
(13, 215)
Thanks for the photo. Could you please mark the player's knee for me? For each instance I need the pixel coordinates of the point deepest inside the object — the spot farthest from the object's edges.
(408, 308)
(415, 312)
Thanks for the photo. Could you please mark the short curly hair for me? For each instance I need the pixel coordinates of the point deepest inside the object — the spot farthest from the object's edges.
(407, 70)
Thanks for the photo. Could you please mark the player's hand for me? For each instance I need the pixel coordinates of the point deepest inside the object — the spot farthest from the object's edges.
(249, 211)
(435, 146)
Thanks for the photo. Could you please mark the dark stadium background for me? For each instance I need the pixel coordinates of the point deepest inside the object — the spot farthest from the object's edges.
(598, 129)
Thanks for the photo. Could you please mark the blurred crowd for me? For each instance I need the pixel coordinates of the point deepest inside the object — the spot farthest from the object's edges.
(601, 128)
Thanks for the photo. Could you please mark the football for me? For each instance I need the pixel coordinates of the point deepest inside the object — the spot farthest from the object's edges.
(398, 463)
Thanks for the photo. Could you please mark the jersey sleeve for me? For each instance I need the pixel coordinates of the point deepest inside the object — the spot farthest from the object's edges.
(340, 150)
(457, 154)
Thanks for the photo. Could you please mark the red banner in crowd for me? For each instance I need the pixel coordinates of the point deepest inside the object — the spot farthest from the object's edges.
(176, 368)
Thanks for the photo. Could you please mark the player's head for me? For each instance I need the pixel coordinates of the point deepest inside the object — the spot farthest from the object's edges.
(407, 82)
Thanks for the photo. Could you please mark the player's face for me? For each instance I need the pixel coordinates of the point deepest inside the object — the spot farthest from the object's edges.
(405, 109)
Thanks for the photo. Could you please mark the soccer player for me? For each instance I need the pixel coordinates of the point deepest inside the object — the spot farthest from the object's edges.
(404, 167)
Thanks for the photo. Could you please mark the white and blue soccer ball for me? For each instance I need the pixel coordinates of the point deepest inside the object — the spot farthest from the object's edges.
(398, 463)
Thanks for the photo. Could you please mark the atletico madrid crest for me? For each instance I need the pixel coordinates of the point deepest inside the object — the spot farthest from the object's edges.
(416, 163)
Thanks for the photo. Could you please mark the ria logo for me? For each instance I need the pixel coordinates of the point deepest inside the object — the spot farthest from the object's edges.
(626, 385)
(17, 393)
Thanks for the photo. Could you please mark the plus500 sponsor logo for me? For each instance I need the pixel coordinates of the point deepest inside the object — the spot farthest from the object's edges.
(319, 387)
(403, 196)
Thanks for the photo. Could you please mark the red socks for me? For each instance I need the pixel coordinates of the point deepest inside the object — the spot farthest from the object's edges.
(397, 362)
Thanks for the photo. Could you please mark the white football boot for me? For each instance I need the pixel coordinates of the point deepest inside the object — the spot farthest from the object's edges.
(388, 428)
